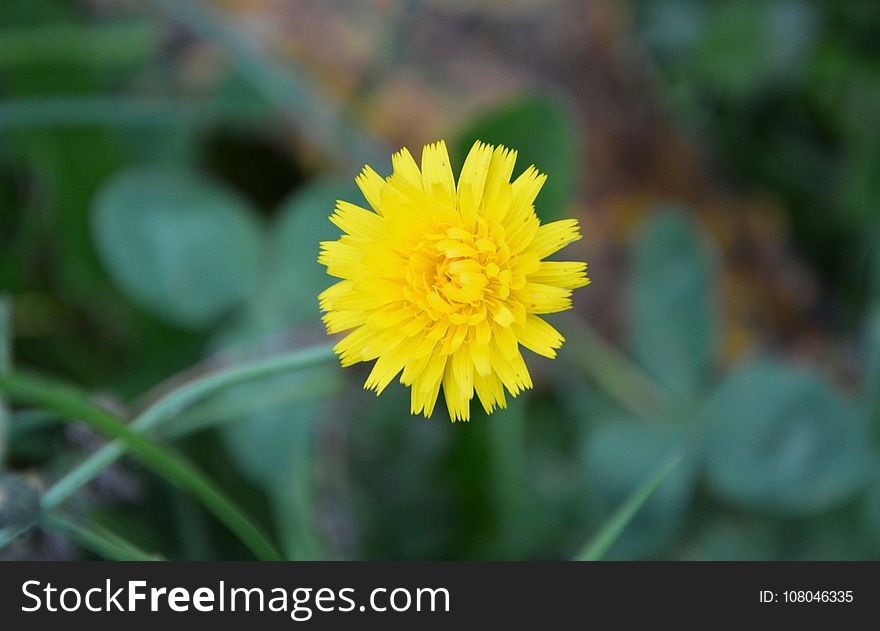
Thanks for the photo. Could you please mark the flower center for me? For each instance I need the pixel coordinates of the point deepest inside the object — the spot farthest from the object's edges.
(458, 273)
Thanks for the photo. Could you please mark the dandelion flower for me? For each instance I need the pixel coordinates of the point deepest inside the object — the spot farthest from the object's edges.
(444, 282)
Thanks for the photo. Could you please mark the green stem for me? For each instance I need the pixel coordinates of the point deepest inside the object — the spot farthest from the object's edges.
(97, 539)
(596, 549)
(614, 372)
(173, 404)
(73, 406)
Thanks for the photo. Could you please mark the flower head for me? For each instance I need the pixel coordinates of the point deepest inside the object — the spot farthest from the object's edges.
(444, 283)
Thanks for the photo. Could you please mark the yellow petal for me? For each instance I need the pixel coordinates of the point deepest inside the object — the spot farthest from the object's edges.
(554, 236)
(371, 185)
(490, 392)
(497, 193)
(566, 274)
(358, 221)
(338, 321)
(524, 190)
(473, 179)
(386, 368)
(457, 404)
(405, 167)
(437, 177)
(538, 336)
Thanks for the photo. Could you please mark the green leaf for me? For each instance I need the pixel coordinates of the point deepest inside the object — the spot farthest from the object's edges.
(674, 310)
(182, 247)
(620, 456)
(73, 405)
(295, 278)
(612, 530)
(542, 132)
(784, 441)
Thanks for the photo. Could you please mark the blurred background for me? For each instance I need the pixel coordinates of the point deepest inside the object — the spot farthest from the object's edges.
(167, 168)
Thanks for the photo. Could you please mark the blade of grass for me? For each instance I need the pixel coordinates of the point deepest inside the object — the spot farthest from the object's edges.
(72, 405)
(599, 545)
(172, 404)
(97, 539)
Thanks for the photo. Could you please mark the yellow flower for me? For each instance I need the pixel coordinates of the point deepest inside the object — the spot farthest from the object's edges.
(444, 283)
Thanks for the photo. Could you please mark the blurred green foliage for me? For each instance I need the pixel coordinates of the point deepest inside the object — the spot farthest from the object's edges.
(623, 452)
(674, 304)
(783, 441)
(787, 95)
(184, 249)
(138, 246)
